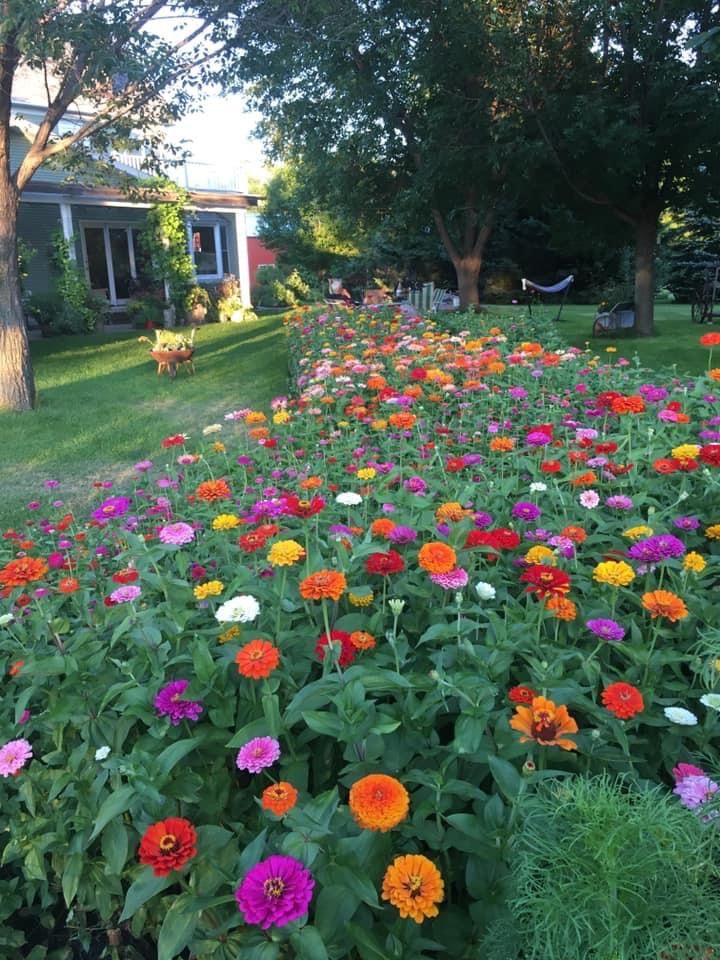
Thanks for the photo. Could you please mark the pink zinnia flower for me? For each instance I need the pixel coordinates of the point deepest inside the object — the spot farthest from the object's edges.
(13, 757)
(453, 580)
(275, 892)
(169, 703)
(257, 754)
(125, 594)
(589, 499)
(176, 534)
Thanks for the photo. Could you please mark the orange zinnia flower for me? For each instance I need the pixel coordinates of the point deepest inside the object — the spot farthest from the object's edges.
(20, 572)
(561, 608)
(576, 534)
(279, 797)
(544, 723)
(378, 802)
(584, 479)
(402, 421)
(69, 585)
(362, 640)
(437, 557)
(630, 404)
(414, 885)
(451, 511)
(323, 585)
(168, 845)
(257, 659)
(210, 490)
(382, 526)
(663, 603)
(502, 444)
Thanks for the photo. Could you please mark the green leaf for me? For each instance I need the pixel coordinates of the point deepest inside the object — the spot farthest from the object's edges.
(143, 889)
(115, 846)
(271, 712)
(177, 927)
(354, 881)
(170, 756)
(71, 877)
(505, 775)
(308, 945)
(118, 802)
(328, 724)
(368, 945)
(252, 853)
(203, 663)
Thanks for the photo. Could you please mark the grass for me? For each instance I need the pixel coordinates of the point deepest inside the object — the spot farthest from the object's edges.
(102, 406)
(676, 344)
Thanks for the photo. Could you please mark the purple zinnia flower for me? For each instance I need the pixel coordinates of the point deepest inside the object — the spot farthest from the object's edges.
(695, 790)
(619, 502)
(275, 892)
(125, 594)
(176, 534)
(663, 546)
(608, 630)
(482, 519)
(686, 523)
(538, 438)
(453, 580)
(169, 703)
(524, 510)
(257, 754)
(143, 465)
(416, 485)
(112, 507)
(402, 534)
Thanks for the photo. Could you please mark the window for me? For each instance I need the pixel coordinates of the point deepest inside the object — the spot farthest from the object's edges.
(209, 250)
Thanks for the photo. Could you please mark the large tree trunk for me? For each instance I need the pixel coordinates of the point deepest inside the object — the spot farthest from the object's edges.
(646, 230)
(467, 270)
(17, 385)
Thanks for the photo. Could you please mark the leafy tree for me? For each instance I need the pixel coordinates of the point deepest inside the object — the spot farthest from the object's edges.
(129, 67)
(633, 123)
(392, 106)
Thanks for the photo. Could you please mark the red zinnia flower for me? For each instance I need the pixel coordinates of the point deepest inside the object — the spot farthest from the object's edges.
(385, 564)
(710, 340)
(347, 647)
(710, 454)
(623, 700)
(545, 581)
(551, 466)
(303, 508)
(521, 694)
(666, 465)
(125, 576)
(177, 440)
(168, 845)
(252, 542)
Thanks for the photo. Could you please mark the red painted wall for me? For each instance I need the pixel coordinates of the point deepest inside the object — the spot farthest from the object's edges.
(258, 255)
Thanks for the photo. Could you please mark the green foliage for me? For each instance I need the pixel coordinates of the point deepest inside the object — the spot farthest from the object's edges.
(277, 287)
(605, 869)
(164, 241)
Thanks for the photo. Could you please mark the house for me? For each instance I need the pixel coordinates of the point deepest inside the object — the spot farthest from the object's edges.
(102, 224)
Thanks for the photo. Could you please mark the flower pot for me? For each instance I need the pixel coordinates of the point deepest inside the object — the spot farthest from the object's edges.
(197, 314)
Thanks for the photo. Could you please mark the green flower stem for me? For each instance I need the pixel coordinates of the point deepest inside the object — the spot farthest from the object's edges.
(278, 614)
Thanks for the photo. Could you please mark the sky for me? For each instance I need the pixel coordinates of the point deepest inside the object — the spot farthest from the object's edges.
(221, 133)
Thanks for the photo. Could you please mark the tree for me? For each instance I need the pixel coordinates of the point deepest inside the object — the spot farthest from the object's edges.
(391, 106)
(633, 122)
(129, 67)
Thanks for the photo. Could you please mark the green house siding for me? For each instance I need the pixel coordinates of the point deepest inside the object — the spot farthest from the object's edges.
(36, 224)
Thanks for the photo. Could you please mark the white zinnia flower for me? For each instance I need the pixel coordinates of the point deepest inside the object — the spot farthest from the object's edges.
(680, 716)
(486, 591)
(538, 487)
(212, 428)
(349, 499)
(711, 700)
(5, 618)
(243, 609)
(102, 752)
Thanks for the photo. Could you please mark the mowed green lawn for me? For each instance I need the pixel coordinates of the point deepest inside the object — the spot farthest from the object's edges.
(102, 407)
(675, 346)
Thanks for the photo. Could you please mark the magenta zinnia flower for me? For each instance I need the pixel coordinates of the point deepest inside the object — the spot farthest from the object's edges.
(609, 630)
(169, 703)
(176, 534)
(453, 580)
(112, 507)
(13, 757)
(257, 754)
(275, 892)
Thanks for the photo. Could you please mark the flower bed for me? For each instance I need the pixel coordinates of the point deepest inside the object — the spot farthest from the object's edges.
(295, 692)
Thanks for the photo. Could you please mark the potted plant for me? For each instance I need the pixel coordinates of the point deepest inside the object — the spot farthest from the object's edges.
(229, 302)
(197, 303)
(170, 348)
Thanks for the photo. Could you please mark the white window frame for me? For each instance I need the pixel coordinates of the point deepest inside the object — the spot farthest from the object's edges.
(106, 227)
(217, 227)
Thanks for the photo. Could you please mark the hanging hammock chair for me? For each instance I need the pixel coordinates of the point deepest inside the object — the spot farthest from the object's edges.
(562, 287)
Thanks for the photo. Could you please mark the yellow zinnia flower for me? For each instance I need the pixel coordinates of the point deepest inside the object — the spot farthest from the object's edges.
(616, 573)
(695, 562)
(285, 553)
(636, 533)
(225, 521)
(361, 599)
(212, 588)
(282, 416)
(686, 451)
(366, 473)
(713, 532)
(540, 554)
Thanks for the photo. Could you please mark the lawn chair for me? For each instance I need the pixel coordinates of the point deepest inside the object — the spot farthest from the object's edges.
(616, 321)
(443, 300)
